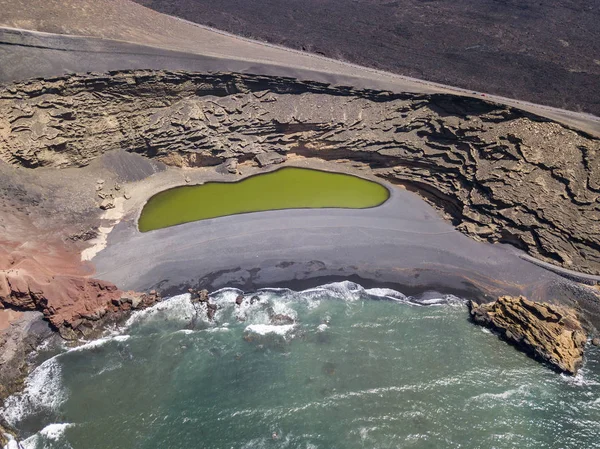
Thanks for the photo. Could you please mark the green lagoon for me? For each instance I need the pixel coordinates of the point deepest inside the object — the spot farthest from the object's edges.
(287, 188)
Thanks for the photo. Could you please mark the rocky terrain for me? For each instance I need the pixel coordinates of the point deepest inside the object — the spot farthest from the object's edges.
(40, 262)
(548, 332)
(23, 334)
(500, 174)
(545, 52)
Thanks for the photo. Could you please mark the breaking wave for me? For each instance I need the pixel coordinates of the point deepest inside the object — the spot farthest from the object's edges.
(43, 392)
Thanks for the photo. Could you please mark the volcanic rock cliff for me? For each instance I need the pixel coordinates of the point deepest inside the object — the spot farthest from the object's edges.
(74, 304)
(501, 174)
(549, 332)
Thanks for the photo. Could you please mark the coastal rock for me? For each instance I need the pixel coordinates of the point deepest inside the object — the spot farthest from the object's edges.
(211, 309)
(596, 341)
(75, 305)
(282, 319)
(61, 298)
(239, 300)
(107, 203)
(548, 332)
(84, 235)
(269, 158)
(23, 332)
(231, 166)
(197, 295)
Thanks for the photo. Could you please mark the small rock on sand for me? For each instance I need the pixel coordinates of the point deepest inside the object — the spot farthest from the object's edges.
(269, 158)
(107, 203)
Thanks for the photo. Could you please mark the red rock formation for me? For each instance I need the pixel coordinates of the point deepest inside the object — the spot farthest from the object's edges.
(51, 279)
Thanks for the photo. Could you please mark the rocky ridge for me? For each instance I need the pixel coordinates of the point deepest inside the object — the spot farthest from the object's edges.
(76, 306)
(548, 332)
(501, 174)
(44, 273)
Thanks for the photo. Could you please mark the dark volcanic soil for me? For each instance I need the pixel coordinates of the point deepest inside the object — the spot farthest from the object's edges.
(546, 52)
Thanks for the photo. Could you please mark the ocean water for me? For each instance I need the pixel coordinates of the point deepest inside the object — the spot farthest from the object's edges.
(355, 369)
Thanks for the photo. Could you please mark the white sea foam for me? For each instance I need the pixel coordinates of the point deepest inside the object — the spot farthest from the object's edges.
(346, 290)
(351, 291)
(264, 329)
(50, 433)
(218, 329)
(443, 300)
(256, 443)
(226, 295)
(99, 342)
(111, 366)
(29, 443)
(177, 308)
(581, 379)
(43, 392)
(55, 431)
(386, 293)
(491, 398)
(433, 301)
(12, 444)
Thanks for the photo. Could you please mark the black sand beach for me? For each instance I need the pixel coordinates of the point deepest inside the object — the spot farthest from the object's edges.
(403, 243)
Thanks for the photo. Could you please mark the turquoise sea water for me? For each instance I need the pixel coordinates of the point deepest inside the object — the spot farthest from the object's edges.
(356, 369)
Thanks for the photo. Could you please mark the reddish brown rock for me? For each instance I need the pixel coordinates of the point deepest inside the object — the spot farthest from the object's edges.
(548, 332)
(72, 302)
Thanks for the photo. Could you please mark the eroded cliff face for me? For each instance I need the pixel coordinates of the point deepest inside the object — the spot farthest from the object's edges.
(49, 279)
(548, 332)
(501, 174)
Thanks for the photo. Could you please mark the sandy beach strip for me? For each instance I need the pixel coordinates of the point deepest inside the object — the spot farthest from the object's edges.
(403, 244)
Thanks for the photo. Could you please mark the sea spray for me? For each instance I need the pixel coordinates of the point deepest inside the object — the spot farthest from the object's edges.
(43, 393)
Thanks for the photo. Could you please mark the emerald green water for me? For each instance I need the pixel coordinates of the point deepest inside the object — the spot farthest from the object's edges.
(287, 188)
(359, 368)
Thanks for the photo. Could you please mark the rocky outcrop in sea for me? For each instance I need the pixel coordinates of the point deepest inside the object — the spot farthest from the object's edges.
(548, 332)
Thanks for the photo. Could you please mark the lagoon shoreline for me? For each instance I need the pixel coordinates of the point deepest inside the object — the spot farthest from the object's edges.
(387, 246)
(393, 245)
